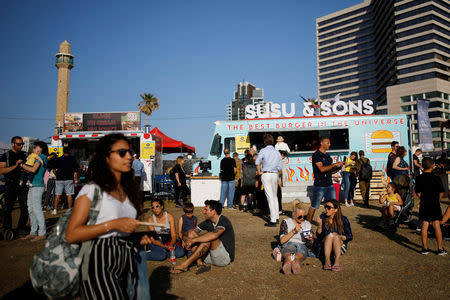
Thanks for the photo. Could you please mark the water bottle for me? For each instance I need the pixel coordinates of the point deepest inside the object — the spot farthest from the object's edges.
(292, 256)
(172, 256)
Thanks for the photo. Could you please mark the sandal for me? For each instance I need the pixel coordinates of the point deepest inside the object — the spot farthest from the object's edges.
(287, 268)
(336, 268)
(174, 270)
(327, 267)
(203, 269)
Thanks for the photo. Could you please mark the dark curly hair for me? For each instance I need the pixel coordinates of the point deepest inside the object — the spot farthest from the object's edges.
(102, 175)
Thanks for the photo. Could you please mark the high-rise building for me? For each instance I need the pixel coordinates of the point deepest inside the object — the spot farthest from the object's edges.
(246, 94)
(393, 52)
(64, 63)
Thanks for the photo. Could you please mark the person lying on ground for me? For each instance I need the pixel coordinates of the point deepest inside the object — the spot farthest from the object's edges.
(160, 247)
(333, 235)
(295, 233)
(216, 246)
(392, 202)
(187, 222)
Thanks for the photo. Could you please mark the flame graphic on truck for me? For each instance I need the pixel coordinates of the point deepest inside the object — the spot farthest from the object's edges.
(290, 174)
(302, 175)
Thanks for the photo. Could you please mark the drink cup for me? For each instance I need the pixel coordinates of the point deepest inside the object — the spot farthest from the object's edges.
(307, 234)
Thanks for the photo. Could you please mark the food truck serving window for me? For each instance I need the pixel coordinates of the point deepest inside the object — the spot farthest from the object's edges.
(307, 140)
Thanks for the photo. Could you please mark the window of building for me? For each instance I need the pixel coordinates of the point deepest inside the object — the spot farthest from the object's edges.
(405, 99)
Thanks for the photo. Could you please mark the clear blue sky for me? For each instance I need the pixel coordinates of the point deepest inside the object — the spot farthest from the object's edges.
(190, 54)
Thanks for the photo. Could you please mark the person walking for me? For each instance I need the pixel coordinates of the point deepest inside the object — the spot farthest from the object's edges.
(270, 159)
(248, 182)
(227, 177)
(138, 168)
(35, 193)
(364, 171)
(416, 163)
(66, 177)
(323, 169)
(10, 167)
(181, 189)
(113, 255)
(238, 181)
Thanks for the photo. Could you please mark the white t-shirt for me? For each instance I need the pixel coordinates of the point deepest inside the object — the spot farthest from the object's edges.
(282, 147)
(110, 209)
(288, 225)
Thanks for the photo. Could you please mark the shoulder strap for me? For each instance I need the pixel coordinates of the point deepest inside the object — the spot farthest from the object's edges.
(7, 158)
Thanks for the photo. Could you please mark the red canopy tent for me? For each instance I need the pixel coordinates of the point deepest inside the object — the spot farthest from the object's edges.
(169, 145)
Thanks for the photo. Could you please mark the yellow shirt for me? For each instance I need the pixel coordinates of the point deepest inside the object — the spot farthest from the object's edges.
(237, 176)
(30, 159)
(351, 163)
(391, 199)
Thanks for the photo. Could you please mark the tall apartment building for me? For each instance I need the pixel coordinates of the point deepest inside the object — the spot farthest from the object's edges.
(245, 94)
(393, 52)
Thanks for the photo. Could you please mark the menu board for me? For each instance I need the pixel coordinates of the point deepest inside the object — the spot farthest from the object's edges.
(105, 121)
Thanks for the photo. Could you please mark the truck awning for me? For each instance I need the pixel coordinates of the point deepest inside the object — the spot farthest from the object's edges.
(169, 145)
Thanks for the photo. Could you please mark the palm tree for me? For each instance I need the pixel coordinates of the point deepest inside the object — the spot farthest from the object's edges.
(148, 104)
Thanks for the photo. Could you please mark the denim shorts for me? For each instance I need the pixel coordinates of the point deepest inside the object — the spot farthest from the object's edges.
(291, 247)
(320, 192)
(64, 186)
(218, 257)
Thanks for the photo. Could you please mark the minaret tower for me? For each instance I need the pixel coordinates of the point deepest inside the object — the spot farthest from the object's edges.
(64, 63)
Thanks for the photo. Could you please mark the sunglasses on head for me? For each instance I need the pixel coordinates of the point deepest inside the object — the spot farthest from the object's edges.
(156, 206)
(121, 152)
(329, 207)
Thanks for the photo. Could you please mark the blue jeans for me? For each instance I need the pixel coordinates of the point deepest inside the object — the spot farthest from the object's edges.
(346, 182)
(157, 253)
(320, 192)
(292, 247)
(34, 202)
(227, 187)
(139, 286)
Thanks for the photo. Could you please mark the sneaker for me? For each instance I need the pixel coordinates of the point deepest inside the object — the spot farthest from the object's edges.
(231, 208)
(442, 252)
(54, 212)
(346, 204)
(424, 251)
(352, 204)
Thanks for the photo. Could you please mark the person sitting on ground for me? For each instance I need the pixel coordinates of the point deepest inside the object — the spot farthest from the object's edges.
(295, 232)
(333, 235)
(392, 202)
(217, 244)
(430, 191)
(159, 249)
(186, 223)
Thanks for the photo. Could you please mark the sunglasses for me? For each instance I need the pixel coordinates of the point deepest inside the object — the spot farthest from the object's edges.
(19, 144)
(300, 217)
(156, 206)
(329, 207)
(121, 152)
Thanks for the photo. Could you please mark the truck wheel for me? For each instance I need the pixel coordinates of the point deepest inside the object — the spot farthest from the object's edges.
(8, 235)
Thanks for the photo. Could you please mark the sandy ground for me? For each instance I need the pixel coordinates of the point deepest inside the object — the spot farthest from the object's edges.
(378, 265)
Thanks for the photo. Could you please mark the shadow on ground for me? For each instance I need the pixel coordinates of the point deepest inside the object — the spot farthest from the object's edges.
(160, 283)
(26, 291)
(371, 222)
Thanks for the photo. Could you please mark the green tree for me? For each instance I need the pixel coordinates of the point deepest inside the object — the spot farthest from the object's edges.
(148, 105)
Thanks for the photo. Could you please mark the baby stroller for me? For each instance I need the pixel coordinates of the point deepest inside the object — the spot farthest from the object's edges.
(406, 190)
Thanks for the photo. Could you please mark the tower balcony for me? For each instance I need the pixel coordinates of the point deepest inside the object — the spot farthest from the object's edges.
(64, 60)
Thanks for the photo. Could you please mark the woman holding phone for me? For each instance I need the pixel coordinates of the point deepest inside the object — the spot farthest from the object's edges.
(112, 257)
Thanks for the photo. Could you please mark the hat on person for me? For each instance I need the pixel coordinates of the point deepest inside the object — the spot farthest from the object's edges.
(280, 138)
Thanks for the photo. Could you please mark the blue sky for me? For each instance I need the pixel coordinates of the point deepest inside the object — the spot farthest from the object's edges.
(190, 54)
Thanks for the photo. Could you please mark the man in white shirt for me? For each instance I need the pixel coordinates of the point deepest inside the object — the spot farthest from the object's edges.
(281, 145)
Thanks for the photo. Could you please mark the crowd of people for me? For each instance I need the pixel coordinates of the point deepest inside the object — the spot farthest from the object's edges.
(252, 184)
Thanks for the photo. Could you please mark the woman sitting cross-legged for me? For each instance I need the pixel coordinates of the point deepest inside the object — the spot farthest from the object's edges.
(295, 232)
(159, 249)
(333, 235)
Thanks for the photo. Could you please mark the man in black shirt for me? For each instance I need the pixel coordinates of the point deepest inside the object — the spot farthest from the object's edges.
(416, 163)
(391, 158)
(323, 168)
(9, 166)
(216, 245)
(227, 177)
(66, 176)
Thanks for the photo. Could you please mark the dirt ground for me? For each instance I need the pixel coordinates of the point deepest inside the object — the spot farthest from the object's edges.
(377, 265)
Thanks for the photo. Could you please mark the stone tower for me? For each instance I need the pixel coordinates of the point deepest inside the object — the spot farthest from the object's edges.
(64, 63)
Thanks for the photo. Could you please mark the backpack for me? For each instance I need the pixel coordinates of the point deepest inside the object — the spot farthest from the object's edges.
(55, 271)
(366, 171)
